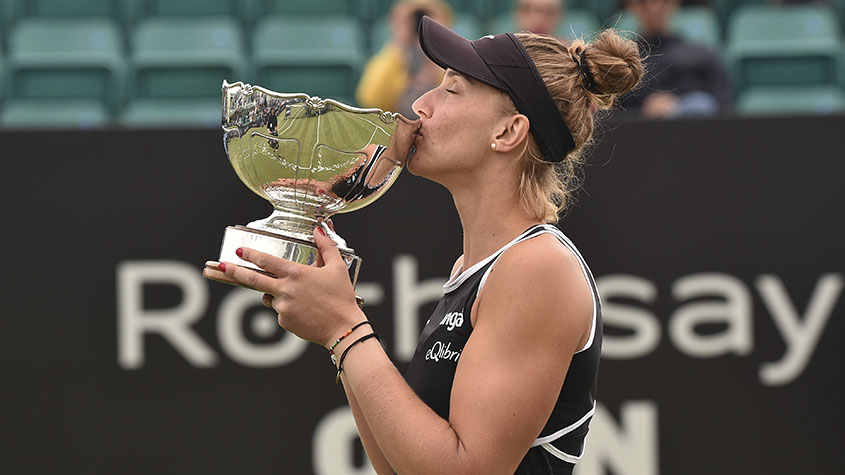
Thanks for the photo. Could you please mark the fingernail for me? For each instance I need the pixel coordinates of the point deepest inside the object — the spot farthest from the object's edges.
(239, 251)
(320, 230)
(221, 267)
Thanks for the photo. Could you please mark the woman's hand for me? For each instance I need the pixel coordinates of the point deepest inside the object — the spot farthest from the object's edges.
(316, 302)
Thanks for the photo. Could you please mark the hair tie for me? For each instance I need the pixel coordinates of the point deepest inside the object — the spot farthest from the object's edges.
(589, 84)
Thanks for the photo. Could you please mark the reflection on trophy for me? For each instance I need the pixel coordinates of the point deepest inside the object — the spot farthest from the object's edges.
(310, 158)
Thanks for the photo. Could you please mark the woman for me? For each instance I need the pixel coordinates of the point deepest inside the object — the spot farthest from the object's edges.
(503, 379)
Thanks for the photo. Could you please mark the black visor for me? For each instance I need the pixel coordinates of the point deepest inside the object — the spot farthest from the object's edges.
(502, 62)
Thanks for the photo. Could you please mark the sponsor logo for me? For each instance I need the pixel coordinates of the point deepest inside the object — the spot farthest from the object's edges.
(440, 351)
(452, 320)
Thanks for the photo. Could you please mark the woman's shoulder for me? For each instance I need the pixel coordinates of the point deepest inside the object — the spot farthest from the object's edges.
(541, 275)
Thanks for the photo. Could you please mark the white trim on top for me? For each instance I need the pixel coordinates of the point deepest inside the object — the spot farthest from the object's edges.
(587, 274)
(460, 276)
(557, 435)
(561, 454)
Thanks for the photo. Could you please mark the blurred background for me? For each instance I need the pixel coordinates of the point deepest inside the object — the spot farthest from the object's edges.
(711, 215)
(104, 63)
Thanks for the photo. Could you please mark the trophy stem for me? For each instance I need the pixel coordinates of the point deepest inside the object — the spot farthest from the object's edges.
(295, 223)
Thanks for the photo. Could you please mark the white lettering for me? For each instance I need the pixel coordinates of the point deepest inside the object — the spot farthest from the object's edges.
(173, 324)
(409, 296)
(629, 448)
(644, 325)
(333, 449)
(452, 320)
(801, 339)
(733, 309)
(439, 351)
(232, 339)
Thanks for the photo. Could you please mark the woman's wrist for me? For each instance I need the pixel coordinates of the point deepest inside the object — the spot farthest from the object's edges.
(360, 330)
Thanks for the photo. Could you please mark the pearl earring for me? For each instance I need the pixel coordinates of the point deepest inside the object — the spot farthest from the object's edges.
(493, 146)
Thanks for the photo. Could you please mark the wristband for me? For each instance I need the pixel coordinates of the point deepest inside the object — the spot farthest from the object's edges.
(346, 351)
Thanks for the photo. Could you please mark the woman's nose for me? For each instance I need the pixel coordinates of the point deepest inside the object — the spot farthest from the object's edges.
(420, 106)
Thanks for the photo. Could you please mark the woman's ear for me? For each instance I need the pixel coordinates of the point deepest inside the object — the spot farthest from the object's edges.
(511, 133)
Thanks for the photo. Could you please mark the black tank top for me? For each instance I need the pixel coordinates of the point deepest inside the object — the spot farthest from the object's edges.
(432, 371)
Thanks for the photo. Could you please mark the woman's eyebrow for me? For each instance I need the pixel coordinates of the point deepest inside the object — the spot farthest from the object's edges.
(452, 74)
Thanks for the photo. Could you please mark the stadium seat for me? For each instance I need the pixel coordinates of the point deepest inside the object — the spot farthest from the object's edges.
(769, 100)
(308, 7)
(322, 56)
(794, 44)
(180, 112)
(76, 62)
(178, 65)
(206, 8)
(67, 113)
(842, 69)
(467, 25)
(624, 22)
(698, 25)
(77, 8)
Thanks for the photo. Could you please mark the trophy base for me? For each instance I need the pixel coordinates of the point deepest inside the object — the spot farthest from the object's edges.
(294, 250)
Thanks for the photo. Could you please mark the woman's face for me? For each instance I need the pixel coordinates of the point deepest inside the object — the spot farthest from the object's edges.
(458, 123)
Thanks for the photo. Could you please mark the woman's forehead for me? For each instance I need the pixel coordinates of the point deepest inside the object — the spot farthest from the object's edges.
(452, 74)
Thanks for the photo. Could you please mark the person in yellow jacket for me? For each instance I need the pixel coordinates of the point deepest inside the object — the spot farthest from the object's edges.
(400, 72)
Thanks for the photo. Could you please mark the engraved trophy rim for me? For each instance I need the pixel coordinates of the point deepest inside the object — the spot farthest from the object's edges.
(335, 164)
(315, 101)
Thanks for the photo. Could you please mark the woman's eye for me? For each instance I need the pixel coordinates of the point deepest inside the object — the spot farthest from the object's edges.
(451, 91)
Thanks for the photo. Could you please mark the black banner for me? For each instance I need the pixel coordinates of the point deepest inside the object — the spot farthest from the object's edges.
(717, 246)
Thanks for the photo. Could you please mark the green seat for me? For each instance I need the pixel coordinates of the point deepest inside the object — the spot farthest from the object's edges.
(166, 113)
(58, 59)
(698, 25)
(467, 25)
(625, 23)
(842, 69)
(178, 58)
(76, 8)
(771, 100)
(575, 23)
(9, 12)
(43, 113)
(308, 7)
(162, 8)
(790, 45)
(322, 56)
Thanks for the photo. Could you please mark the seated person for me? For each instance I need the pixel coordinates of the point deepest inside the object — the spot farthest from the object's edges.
(400, 72)
(682, 78)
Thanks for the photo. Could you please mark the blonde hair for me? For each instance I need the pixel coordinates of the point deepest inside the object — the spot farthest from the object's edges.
(614, 66)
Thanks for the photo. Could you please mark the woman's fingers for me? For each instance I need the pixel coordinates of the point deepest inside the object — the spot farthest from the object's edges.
(268, 262)
(249, 277)
(329, 252)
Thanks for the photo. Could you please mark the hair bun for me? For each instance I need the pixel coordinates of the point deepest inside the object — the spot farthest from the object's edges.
(613, 63)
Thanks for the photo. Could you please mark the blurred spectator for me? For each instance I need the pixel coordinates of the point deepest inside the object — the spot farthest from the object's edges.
(683, 78)
(395, 77)
(539, 16)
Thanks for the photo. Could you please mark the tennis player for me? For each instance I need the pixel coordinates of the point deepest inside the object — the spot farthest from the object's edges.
(504, 376)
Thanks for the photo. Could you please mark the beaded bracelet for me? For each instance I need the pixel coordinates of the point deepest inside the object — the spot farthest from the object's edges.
(331, 348)
(343, 356)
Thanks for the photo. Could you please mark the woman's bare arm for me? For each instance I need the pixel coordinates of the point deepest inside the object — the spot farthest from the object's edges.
(535, 312)
(380, 464)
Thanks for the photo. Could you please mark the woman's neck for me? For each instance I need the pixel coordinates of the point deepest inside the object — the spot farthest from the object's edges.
(490, 218)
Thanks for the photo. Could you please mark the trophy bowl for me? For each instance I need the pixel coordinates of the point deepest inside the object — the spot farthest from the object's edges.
(310, 158)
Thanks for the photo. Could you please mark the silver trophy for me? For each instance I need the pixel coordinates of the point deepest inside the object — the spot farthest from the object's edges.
(310, 158)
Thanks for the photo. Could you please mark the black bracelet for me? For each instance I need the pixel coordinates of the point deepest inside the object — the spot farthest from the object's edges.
(343, 356)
